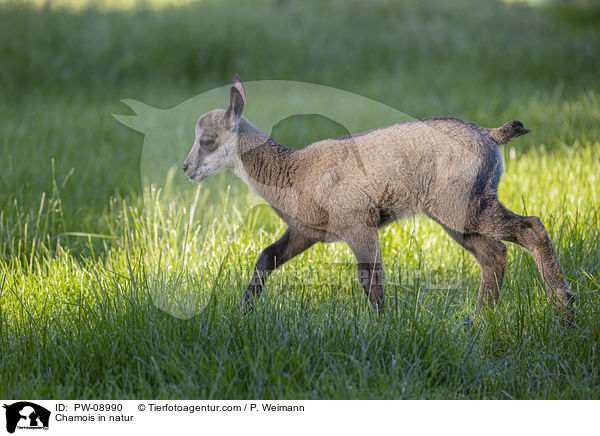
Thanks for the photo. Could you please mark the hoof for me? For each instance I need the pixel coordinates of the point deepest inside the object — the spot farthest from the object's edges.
(245, 305)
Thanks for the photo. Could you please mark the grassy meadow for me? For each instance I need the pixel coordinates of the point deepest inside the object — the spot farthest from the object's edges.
(111, 288)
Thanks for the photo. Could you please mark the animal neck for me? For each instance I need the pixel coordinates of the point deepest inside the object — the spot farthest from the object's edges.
(266, 166)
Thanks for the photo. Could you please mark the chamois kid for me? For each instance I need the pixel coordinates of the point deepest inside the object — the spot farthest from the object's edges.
(345, 188)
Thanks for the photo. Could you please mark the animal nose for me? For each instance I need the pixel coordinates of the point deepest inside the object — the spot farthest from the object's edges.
(185, 166)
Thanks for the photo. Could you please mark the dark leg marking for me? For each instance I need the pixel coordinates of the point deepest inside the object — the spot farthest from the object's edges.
(491, 256)
(285, 248)
(497, 222)
(365, 246)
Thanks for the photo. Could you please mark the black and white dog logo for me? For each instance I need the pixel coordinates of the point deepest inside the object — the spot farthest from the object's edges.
(26, 415)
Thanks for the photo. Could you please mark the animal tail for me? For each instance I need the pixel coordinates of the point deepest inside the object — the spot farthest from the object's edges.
(510, 130)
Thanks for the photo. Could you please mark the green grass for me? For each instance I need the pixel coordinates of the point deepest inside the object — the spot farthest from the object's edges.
(111, 290)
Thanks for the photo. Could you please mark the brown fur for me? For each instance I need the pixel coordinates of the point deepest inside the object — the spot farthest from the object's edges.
(347, 187)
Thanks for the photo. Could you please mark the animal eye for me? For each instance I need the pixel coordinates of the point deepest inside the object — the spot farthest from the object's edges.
(206, 142)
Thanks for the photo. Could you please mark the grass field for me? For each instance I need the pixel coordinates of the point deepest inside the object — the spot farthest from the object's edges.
(109, 289)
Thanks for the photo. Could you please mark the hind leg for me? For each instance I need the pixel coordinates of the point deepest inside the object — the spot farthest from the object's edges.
(497, 222)
(491, 256)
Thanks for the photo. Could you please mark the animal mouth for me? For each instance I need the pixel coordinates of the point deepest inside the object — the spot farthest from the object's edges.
(197, 177)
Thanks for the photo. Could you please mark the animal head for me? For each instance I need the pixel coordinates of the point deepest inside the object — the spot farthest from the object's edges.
(215, 143)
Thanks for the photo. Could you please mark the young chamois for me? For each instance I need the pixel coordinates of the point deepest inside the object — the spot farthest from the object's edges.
(345, 188)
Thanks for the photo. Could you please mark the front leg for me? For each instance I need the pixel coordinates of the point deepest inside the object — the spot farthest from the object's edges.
(288, 246)
(365, 246)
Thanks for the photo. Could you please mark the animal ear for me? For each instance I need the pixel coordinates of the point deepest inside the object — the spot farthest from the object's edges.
(237, 101)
